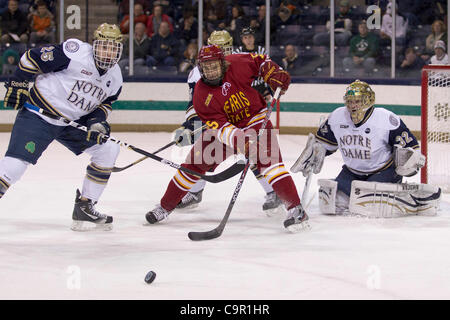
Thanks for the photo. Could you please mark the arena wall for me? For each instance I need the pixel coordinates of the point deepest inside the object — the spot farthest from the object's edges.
(158, 106)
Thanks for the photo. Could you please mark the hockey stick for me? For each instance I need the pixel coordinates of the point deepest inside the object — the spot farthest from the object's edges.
(222, 176)
(216, 232)
(118, 169)
(308, 178)
(306, 187)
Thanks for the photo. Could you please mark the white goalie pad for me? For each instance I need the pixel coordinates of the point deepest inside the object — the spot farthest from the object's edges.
(311, 158)
(327, 195)
(407, 161)
(389, 200)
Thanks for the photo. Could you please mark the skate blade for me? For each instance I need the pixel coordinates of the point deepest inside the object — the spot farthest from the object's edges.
(89, 226)
(192, 206)
(294, 228)
(274, 211)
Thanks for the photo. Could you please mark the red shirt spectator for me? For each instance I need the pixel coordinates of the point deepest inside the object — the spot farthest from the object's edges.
(155, 19)
(139, 16)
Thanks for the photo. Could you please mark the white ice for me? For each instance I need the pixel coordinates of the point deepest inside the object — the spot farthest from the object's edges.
(255, 258)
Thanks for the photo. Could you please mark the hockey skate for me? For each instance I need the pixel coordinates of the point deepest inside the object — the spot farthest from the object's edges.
(297, 220)
(157, 214)
(273, 204)
(85, 217)
(190, 200)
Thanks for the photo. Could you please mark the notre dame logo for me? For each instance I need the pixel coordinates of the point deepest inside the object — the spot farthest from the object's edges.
(30, 147)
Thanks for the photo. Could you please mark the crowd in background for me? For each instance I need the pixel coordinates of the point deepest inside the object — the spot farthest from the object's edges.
(24, 24)
(166, 33)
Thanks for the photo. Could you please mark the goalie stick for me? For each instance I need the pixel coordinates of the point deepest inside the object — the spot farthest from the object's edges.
(222, 176)
(119, 169)
(216, 232)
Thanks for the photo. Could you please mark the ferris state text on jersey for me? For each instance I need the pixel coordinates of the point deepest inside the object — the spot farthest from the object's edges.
(73, 85)
(366, 147)
(235, 102)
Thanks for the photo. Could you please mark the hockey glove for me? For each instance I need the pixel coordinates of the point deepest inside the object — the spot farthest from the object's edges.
(408, 161)
(97, 131)
(183, 137)
(16, 94)
(311, 158)
(275, 77)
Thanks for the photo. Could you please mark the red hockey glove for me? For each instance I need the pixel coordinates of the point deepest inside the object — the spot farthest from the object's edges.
(274, 76)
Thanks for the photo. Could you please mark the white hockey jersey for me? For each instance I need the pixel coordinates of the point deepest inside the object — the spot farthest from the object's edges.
(68, 82)
(368, 147)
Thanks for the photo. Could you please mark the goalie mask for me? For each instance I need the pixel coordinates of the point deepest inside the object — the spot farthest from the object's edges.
(211, 64)
(107, 46)
(223, 40)
(359, 98)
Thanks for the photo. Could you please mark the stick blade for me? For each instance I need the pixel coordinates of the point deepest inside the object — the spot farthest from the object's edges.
(226, 174)
(207, 235)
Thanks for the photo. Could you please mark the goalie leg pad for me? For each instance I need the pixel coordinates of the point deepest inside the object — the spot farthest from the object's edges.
(389, 200)
(327, 195)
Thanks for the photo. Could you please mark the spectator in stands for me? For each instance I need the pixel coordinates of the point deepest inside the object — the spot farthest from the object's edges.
(286, 15)
(386, 27)
(258, 24)
(14, 24)
(155, 20)
(411, 64)
(42, 25)
(168, 7)
(124, 7)
(440, 56)
(291, 61)
(141, 48)
(363, 50)
(10, 60)
(342, 27)
(190, 57)
(237, 22)
(187, 30)
(215, 14)
(164, 47)
(30, 6)
(139, 17)
(438, 32)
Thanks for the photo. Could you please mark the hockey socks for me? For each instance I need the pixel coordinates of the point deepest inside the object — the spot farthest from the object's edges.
(95, 181)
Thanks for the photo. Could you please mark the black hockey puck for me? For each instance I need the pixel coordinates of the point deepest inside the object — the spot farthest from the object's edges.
(150, 276)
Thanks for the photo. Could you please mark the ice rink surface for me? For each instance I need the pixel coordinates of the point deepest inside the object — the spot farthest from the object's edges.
(255, 258)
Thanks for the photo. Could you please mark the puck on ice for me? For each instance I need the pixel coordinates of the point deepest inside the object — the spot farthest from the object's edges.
(150, 276)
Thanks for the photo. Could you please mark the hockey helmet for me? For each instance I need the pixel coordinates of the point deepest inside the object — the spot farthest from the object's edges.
(247, 31)
(211, 64)
(223, 40)
(359, 97)
(107, 45)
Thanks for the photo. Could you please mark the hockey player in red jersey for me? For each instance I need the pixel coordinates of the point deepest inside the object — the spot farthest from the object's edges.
(234, 112)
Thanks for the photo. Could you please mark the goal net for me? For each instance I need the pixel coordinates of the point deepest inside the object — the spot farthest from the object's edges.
(435, 131)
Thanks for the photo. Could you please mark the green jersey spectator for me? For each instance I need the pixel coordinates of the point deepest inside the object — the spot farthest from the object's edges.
(363, 50)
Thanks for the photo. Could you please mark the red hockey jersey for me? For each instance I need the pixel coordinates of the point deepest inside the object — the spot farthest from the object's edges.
(235, 105)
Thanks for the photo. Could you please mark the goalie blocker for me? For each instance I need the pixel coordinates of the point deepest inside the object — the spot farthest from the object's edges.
(381, 200)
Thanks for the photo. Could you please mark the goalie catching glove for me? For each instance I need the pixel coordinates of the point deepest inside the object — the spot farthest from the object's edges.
(275, 76)
(408, 161)
(311, 159)
(98, 130)
(16, 94)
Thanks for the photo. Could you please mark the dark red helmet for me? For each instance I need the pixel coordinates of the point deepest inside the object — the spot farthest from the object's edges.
(209, 53)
